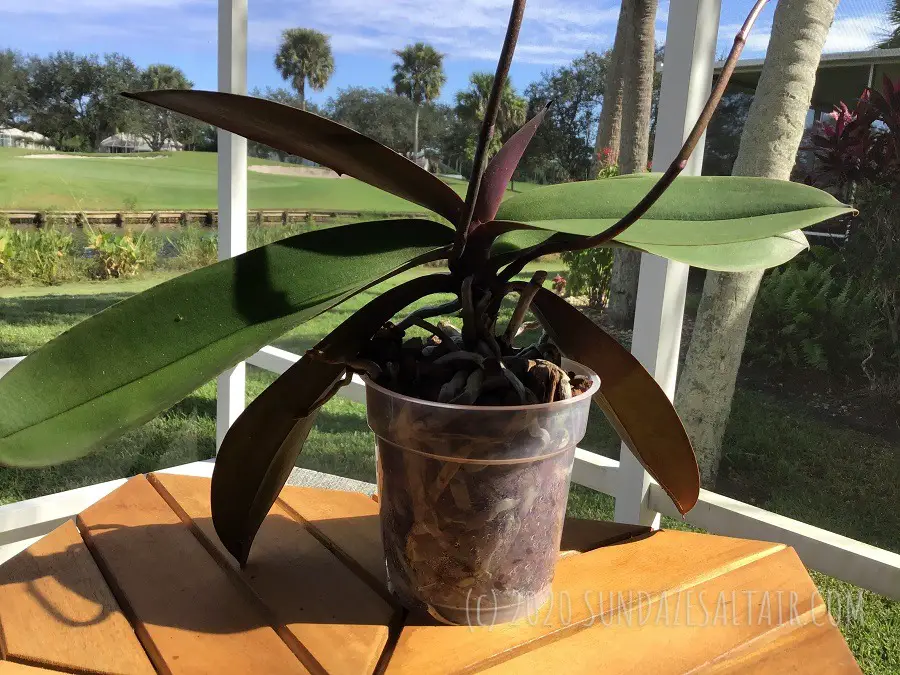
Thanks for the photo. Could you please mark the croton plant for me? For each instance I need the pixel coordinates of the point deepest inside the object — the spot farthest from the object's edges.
(132, 361)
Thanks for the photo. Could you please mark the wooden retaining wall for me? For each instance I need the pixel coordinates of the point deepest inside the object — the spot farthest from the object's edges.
(107, 220)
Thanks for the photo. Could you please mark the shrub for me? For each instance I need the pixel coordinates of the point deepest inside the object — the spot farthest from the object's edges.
(195, 247)
(589, 273)
(120, 255)
(267, 234)
(807, 317)
(873, 257)
(610, 171)
(45, 255)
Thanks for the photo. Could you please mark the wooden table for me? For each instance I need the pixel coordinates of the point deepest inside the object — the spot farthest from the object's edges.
(140, 584)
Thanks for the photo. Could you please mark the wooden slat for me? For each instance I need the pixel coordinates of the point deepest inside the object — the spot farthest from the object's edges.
(7, 668)
(338, 618)
(191, 615)
(583, 535)
(56, 609)
(347, 521)
(663, 562)
(817, 647)
(691, 629)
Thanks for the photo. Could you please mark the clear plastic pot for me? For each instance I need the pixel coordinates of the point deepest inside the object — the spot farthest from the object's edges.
(473, 500)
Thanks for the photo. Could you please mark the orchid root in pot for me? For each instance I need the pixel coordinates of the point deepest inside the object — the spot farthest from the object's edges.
(476, 433)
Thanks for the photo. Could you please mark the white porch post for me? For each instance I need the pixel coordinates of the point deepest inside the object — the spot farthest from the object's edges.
(232, 188)
(687, 79)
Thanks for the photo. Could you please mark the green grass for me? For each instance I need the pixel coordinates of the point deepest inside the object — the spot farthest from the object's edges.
(777, 456)
(177, 180)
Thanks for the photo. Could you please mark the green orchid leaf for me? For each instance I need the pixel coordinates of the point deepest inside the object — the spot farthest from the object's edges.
(125, 365)
(740, 256)
(695, 211)
(316, 138)
(262, 445)
(632, 401)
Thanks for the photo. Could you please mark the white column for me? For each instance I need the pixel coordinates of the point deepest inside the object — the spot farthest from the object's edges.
(232, 188)
(687, 79)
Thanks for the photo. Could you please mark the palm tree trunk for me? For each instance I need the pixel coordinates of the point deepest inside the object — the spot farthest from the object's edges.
(300, 86)
(609, 127)
(769, 147)
(639, 67)
(416, 138)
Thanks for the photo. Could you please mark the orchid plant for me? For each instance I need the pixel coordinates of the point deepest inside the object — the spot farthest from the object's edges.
(125, 365)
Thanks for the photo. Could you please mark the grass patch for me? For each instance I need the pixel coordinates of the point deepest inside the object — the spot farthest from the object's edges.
(777, 456)
(175, 180)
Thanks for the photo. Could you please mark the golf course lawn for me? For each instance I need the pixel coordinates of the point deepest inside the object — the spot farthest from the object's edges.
(175, 180)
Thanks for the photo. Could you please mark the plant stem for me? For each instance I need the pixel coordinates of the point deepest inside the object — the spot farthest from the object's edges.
(663, 184)
(487, 126)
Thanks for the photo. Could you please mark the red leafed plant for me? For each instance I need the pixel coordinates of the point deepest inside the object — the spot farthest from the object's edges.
(859, 144)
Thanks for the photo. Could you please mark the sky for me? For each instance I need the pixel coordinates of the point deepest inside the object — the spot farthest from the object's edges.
(365, 33)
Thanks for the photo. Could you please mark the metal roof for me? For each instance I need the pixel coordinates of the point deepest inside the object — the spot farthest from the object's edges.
(841, 76)
(838, 59)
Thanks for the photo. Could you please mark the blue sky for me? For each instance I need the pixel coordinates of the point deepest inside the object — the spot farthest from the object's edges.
(365, 32)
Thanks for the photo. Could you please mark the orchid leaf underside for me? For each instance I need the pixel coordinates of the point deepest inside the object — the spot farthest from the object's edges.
(275, 425)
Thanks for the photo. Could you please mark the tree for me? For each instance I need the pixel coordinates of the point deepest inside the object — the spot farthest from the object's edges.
(637, 102)
(286, 97)
(769, 147)
(156, 125)
(75, 100)
(471, 104)
(609, 127)
(385, 116)
(892, 41)
(13, 80)
(305, 56)
(566, 138)
(419, 76)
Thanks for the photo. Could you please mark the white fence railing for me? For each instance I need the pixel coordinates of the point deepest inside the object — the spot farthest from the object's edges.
(866, 566)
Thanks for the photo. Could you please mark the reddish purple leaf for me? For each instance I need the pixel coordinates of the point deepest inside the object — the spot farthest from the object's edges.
(312, 137)
(501, 168)
(262, 445)
(633, 402)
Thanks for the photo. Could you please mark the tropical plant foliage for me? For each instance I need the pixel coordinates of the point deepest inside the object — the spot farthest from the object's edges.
(123, 366)
(118, 256)
(590, 273)
(472, 102)
(892, 40)
(813, 317)
(857, 155)
(850, 147)
(419, 73)
(44, 256)
(305, 56)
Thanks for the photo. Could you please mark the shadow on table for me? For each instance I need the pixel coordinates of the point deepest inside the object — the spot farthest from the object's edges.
(176, 582)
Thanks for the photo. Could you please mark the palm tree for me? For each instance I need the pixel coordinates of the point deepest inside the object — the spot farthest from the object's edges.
(609, 127)
(155, 125)
(892, 41)
(471, 103)
(768, 149)
(419, 76)
(639, 66)
(305, 56)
